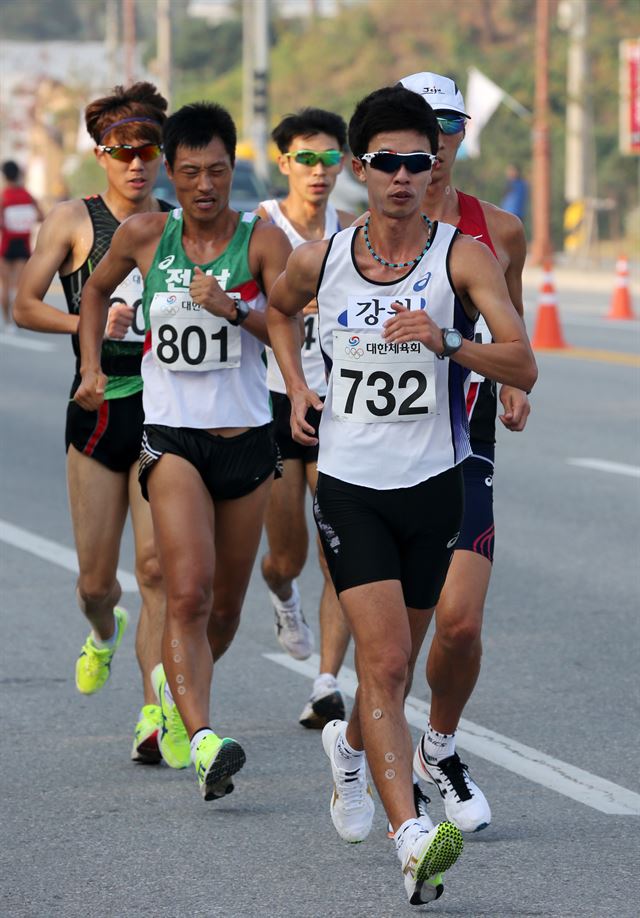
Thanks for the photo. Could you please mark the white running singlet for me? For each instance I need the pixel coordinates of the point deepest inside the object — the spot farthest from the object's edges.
(312, 362)
(394, 414)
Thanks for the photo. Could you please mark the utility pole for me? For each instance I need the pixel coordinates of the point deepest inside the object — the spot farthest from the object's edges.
(579, 190)
(260, 116)
(541, 247)
(247, 68)
(164, 48)
(129, 39)
(111, 40)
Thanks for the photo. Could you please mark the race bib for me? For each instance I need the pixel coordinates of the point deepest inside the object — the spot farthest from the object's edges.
(19, 218)
(311, 344)
(129, 292)
(188, 338)
(372, 311)
(377, 381)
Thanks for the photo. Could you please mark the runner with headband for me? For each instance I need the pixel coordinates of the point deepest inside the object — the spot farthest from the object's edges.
(311, 144)
(208, 455)
(397, 302)
(453, 663)
(103, 445)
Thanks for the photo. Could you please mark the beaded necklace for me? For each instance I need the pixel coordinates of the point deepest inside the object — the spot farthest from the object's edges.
(400, 264)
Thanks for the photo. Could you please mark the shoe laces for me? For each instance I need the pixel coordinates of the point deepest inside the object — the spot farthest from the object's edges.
(290, 619)
(353, 787)
(456, 774)
(175, 721)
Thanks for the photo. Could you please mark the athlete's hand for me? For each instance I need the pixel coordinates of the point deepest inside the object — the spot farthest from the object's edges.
(516, 408)
(413, 325)
(206, 291)
(90, 393)
(119, 319)
(301, 431)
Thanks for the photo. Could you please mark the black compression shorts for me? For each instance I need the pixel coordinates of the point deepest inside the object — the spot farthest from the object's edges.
(111, 435)
(405, 534)
(478, 531)
(229, 466)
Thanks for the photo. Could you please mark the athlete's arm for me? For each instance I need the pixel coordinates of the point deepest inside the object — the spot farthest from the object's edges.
(508, 232)
(289, 295)
(117, 263)
(54, 245)
(478, 280)
(271, 247)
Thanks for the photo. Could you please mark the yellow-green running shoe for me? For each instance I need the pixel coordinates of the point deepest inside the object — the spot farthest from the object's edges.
(93, 666)
(173, 741)
(145, 739)
(431, 851)
(216, 760)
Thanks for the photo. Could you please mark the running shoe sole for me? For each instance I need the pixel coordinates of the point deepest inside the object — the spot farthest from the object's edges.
(442, 853)
(229, 760)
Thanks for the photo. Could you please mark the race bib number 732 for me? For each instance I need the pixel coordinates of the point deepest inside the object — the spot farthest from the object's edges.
(376, 381)
(188, 338)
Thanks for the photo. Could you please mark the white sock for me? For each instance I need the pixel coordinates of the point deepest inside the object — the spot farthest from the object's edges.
(100, 643)
(292, 602)
(405, 835)
(345, 757)
(196, 738)
(437, 746)
(324, 683)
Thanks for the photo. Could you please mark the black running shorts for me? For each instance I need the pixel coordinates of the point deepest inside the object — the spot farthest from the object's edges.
(17, 250)
(229, 466)
(405, 534)
(111, 435)
(478, 533)
(287, 446)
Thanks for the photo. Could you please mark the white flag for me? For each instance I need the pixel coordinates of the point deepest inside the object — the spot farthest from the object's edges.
(482, 98)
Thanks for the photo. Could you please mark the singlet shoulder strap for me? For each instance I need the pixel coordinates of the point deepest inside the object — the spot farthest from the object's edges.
(472, 219)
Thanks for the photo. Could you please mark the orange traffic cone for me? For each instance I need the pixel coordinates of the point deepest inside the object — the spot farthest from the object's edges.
(621, 300)
(548, 333)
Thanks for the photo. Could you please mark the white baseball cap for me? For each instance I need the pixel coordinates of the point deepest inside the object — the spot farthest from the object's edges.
(440, 92)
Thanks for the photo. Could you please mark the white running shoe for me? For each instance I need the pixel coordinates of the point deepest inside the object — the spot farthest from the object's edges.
(326, 703)
(292, 631)
(427, 854)
(351, 804)
(464, 803)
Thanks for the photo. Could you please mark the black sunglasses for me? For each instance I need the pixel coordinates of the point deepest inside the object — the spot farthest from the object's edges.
(390, 161)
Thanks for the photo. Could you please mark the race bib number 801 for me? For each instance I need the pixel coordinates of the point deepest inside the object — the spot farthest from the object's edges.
(376, 381)
(186, 337)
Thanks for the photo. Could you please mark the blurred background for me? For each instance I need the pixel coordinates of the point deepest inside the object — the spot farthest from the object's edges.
(553, 87)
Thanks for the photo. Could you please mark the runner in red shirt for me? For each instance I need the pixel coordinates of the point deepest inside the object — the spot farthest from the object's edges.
(19, 213)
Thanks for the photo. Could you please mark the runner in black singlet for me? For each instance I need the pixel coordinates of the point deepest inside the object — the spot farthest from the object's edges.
(103, 446)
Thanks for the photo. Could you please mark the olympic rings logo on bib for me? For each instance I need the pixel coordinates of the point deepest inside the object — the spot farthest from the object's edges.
(170, 306)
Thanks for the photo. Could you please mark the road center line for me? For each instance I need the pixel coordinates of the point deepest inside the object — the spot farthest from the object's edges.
(53, 552)
(522, 760)
(603, 465)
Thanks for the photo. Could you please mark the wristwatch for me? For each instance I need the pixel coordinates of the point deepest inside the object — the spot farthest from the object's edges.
(452, 342)
(242, 312)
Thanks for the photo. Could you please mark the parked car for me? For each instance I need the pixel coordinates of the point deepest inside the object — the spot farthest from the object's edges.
(247, 188)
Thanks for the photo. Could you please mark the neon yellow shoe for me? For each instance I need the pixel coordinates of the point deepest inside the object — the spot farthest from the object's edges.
(145, 740)
(216, 760)
(173, 741)
(93, 666)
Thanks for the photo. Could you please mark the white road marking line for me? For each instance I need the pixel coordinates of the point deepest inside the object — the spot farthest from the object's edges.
(53, 552)
(26, 344)
(522, 760)
(602, 465)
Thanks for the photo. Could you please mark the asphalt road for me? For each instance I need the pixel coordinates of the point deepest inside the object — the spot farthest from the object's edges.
(85, 832)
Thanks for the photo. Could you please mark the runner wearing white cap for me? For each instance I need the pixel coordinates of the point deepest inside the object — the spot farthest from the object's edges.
(453, 663)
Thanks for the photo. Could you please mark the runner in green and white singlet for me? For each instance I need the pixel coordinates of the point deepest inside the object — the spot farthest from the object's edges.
(208, 455)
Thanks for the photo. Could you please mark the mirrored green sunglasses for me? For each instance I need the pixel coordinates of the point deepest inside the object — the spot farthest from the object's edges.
(313, 157)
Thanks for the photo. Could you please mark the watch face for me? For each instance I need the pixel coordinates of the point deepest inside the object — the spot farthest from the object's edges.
(452, 338)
